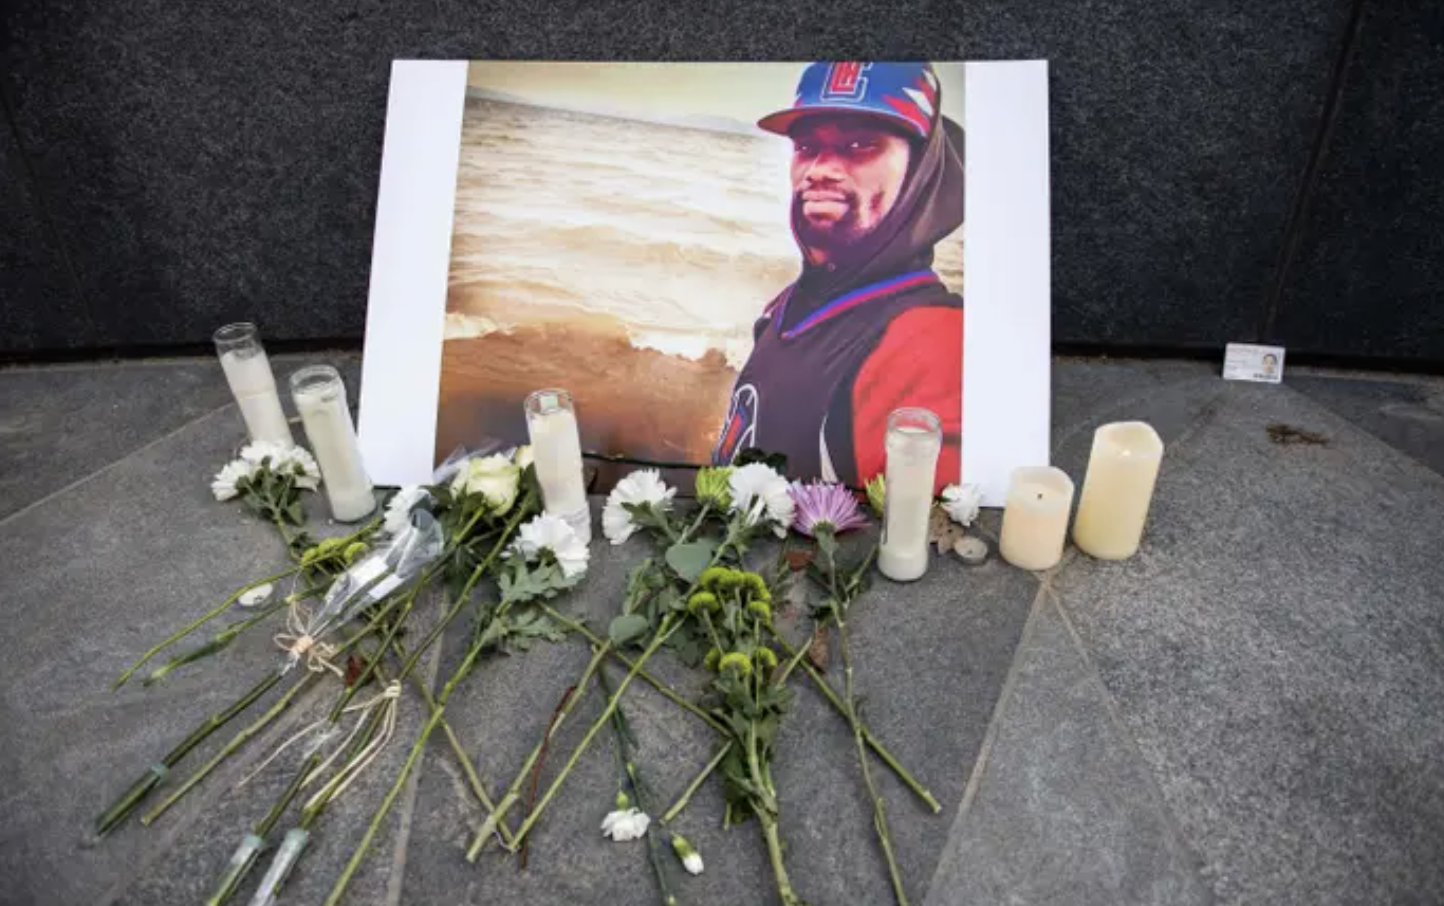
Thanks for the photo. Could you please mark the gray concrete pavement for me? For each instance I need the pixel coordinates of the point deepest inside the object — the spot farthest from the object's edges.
(1248, 711)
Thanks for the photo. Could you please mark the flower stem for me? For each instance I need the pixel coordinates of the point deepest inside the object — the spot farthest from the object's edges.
(774, 853)
(359, 855)
(513, 792)
(187, 630)
(879, 807)
(696, 784)
(666, 689)
(437, 712)
(665, 632)
(236, 742)
(697, 523)
(872, 741)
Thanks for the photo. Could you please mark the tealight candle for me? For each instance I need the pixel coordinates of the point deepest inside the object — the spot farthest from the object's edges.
(914, 439)
(556, 446)
(320, 397)
(248, 372)
(1035, 517)
(1117, 490)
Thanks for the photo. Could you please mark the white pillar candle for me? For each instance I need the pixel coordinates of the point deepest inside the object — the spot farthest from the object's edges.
(248, 372)
(1035, 517)
(556, 447)
(1117, 490)
(914, 439)
(320, 397)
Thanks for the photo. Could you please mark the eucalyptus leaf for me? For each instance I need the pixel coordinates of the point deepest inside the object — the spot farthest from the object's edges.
(690, 559)
(627, 627)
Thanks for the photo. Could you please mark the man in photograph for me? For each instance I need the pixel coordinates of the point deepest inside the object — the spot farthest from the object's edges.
(867, 327)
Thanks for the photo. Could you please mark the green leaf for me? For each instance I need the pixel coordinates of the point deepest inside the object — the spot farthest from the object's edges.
(688, 560)
(627, 627)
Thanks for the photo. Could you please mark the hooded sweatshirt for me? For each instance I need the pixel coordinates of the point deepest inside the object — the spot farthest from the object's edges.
(851, 341)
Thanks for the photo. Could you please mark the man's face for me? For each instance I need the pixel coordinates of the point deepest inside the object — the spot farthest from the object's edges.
(847, 173)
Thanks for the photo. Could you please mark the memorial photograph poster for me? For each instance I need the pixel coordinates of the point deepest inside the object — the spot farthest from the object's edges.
(714, 257)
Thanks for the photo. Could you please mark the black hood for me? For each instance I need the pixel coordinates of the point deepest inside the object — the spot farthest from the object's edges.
(929, 208)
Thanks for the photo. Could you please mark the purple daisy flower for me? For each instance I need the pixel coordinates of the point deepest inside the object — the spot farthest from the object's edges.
(825, 504)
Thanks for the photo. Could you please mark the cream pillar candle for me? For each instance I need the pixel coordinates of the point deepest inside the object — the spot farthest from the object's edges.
(1117, 490)
(1035, 517)
(248, 372)
(320, 397)
(556, 447)
(914, 439)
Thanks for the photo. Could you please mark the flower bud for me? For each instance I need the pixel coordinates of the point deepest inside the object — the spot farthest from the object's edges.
(691, 859)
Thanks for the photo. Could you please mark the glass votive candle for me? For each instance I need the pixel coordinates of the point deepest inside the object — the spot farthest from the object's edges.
(556, 446)
(1035, 517)
(248, 372)
(914, 440)
(320, 397)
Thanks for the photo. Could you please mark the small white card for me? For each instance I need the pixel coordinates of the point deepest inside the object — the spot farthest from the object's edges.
(1247, 362)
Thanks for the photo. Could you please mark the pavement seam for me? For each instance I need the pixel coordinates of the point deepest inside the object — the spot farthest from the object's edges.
(396, 878)
(79, 482)
(1152, 790)
(990, 736)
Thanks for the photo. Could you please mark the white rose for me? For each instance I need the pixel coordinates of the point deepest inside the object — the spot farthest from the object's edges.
(495, 478)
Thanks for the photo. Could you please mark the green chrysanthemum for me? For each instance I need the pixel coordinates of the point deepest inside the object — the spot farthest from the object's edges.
(757, 587)
(877, 494)
(737, 661)
(713, 489)
(711, 578)
(702, 600)
(714, 655)
(355, 551)
(761, 610)
(766, 658)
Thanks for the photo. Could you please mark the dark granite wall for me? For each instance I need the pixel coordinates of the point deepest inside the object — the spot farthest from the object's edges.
(166, 167)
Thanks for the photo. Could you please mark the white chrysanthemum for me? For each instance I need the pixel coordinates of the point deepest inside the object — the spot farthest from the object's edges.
(625, 824)
(303, 466)
(494, 477)
(399, 507)
(523, 456)
(961, 502)
(552, 533)
(284, 458)
(644, 486)
(224, 484)
(758, 492)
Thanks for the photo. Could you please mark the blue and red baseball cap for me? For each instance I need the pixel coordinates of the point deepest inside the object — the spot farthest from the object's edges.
(904, 94)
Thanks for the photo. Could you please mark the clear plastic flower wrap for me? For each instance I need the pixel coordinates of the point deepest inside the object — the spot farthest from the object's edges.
(369, 580)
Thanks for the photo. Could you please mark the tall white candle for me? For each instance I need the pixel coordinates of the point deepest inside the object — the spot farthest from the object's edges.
(248, 372)
(320, 397)
(1035, 517)
(1117, 491)
(556, 447)
(914, 439)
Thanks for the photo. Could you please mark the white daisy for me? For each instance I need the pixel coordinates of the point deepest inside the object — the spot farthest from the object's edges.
(398, 509)
(643, 486)
(758, 492)
(552, 533)
(224, 484)
(283, 458)
(961, 502)
(625, 824)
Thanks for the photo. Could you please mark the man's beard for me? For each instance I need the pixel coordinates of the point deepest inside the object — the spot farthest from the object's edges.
(836, 238)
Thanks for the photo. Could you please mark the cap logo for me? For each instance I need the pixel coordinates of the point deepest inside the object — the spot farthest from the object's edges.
(845, 82)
